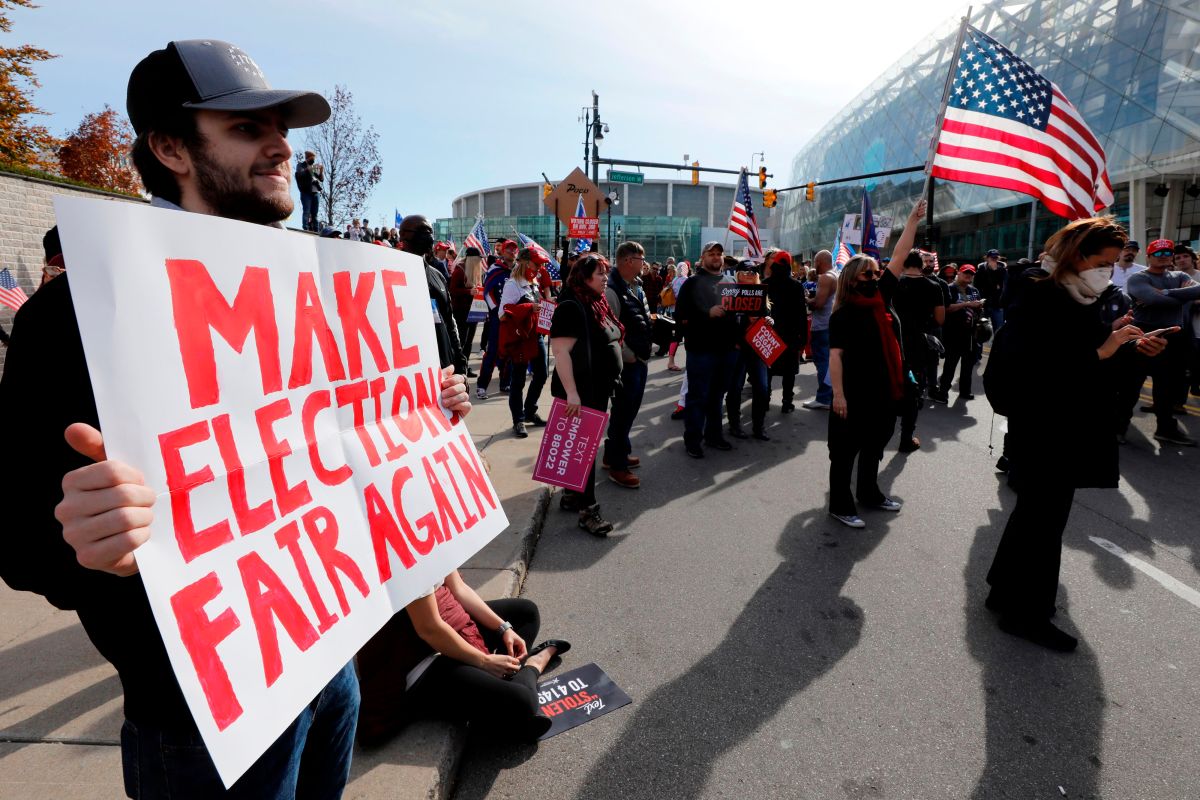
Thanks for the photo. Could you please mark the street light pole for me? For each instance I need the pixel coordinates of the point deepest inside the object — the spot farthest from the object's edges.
(596, 135)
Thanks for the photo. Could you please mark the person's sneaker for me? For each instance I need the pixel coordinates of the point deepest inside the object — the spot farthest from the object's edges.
(815, 405)
(737, 432)
(1002, 464)
(787, 408)
(889, 504)
(852, 520)
(591, 521)
(1039, 631)
(694, 450)
(535, 420)
(480, 394)
(519, 431)
(625, 478)
(909, 445)
(677, 413)
(719, 444)
(760, 436)
(1176, 436)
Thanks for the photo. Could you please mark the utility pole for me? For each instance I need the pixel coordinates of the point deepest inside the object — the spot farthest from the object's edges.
(597, 134)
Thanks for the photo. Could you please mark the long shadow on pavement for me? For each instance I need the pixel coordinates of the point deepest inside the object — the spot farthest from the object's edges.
(1044, 711)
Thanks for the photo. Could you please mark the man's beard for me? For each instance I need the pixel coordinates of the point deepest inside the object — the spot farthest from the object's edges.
(233, 196)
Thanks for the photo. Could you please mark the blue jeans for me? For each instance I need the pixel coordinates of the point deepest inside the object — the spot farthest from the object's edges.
(516, 386)
(309, 761)
(491, 358)
(708, 376)
(819, 341)
(309, 203)
(748, 365)
(627, 401)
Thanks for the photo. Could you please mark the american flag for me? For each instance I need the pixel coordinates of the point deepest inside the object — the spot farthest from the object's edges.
(477, 238)
(11, 294)
(552, 267)
(741, 218)
(1008, 127)
(844, 253)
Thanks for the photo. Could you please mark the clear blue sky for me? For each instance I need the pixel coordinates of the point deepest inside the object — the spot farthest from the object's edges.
(467, 95)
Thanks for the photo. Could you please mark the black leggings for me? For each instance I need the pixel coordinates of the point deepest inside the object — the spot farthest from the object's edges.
(459, 692)
(1024, 573)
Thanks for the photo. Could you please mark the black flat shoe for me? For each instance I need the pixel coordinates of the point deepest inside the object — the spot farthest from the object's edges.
(1039, 631)
(760, 436)
(561, 646)
(738, 433)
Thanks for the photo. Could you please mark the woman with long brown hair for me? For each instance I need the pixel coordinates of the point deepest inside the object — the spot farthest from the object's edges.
(1061, 413)
(585, 337)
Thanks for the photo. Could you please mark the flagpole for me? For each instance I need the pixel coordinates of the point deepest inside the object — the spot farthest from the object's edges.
(729, 216)
(937, 130)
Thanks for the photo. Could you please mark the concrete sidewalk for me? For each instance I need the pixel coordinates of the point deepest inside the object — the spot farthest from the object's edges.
(60, 715)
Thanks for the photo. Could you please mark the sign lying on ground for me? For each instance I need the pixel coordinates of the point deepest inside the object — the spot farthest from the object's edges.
(567, 194)
(852, 229)
(742, 298)
(578, 696)
(281, 393)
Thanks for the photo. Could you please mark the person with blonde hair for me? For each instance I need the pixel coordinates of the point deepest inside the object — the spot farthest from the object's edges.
(465, 279)
(1055, 341)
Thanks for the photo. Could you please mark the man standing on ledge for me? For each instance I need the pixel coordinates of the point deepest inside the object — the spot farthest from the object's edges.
(211, 139)
(709, 334)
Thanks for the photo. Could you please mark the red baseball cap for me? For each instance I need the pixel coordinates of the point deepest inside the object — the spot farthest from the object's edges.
(440, 246)
(504, 244)
(1161, 246)
(967, 268)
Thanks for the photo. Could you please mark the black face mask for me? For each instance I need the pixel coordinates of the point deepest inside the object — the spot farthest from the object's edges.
(420, 242)
(867, 289)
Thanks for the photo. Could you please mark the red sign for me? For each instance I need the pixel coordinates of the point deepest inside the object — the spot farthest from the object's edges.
(584, 228)
(765, 341)
(545, 315)
(569, 446)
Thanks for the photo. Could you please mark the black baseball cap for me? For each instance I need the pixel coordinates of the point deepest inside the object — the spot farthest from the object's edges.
(211, 74)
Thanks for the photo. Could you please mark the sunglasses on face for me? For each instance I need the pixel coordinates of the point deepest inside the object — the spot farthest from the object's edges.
(1163, 253)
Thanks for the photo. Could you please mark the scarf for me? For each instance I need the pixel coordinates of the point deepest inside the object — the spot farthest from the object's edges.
(887, 336)
(601, 309)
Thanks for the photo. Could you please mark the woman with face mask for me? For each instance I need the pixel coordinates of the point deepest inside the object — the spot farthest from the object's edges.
(867, 374)
(1064, 351)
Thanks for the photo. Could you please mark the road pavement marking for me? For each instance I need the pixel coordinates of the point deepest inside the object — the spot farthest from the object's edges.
(1172, 585)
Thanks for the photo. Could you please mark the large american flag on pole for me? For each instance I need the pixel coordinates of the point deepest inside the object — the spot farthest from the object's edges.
(1008, 127)
(741, 218)
(477, 238)
(528, 241)
(11, 294)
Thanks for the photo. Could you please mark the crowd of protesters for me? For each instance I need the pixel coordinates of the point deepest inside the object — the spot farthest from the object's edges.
(1085, 317)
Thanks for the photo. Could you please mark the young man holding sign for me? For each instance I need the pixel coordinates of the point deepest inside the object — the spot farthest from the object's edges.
(212, 140)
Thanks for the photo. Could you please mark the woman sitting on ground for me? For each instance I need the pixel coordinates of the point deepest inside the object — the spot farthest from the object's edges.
(453, 656)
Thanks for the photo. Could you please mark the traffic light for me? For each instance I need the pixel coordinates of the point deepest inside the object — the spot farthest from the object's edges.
(695, 174)
(762, 177)
(769, 198)
(547, 190)
(810, 192)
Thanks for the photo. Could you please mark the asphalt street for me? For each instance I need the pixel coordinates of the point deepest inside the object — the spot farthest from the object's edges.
(772, 652)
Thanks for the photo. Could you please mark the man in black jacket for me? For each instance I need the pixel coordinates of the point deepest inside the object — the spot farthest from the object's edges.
(710, 334)
(416, 237)
(211, 139)
(308, 181)
(627, 400)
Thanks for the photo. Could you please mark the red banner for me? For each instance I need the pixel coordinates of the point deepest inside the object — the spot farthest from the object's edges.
(584, 228)
(765, 341)
(569, 446)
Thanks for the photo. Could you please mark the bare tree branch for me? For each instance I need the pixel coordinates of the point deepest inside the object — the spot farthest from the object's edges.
(350, 156)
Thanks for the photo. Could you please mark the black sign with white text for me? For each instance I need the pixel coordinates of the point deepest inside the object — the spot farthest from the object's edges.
(578, 696)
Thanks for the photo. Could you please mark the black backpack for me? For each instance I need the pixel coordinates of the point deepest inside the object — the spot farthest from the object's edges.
(1001, 376)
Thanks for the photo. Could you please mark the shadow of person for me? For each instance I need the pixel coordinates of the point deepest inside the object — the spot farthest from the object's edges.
(794, 629)
(489, 756)
(1044, 711)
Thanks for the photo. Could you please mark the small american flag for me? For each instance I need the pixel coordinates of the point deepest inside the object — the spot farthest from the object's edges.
(552, 267)
(741, 218)
(477, 238)
(1008, 127)
(11, 294)
(845, 253)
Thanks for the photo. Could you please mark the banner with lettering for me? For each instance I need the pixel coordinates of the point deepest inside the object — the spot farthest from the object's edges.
(569, 446)
(744, 298)
(578, 696)
(545, 316)
(281, 392)
(765, 341)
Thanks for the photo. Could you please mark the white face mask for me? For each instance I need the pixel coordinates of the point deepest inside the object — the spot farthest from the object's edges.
(1097, 279)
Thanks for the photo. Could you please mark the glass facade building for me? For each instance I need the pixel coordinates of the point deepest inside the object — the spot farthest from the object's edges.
(669, 218)
(1131, 67)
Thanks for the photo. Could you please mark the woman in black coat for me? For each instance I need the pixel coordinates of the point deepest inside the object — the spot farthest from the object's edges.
(790, 313)
(1060, 418)
(585, 337)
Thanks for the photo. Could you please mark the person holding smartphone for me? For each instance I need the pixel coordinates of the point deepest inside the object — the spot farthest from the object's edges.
(1060, 423)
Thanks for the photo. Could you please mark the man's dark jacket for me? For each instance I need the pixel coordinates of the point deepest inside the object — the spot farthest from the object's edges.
(634, 315)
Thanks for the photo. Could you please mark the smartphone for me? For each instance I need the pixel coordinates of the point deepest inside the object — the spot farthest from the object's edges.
(1161, 331)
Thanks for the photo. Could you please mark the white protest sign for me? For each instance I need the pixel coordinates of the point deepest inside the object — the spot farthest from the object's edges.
(281, 393)
(852, 229)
